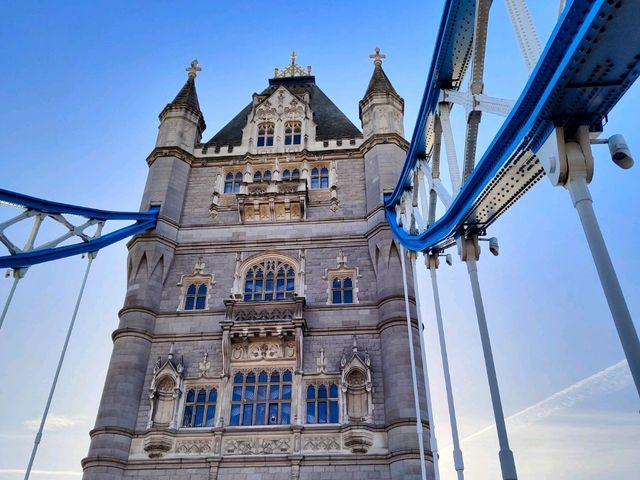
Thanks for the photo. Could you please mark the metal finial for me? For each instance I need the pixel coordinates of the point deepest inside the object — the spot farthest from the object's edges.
(293, 69)
(377, 57)
(193, 70)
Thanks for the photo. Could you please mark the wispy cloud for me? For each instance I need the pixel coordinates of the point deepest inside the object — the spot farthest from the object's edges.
(611, 379)
(58, 422)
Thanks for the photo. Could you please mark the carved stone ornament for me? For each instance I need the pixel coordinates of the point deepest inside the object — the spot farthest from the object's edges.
(358, 440)
(257, 446)
(165, 391)
(156, 444)
(324, 443)
(192, 446)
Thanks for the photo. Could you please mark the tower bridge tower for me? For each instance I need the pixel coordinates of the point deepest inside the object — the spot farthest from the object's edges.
(263, 333)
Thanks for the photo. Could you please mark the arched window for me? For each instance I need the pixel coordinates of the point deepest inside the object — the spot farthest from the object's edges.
(322, 404)
(262, 399)
(265, 134)
(257, 177)
(342, 290)
(232, 182)
(292, 133)
(266, 176)
(295, 174)
(200, 408)
(286, 175)
(269, 280)
(320, 178)
(196, 297)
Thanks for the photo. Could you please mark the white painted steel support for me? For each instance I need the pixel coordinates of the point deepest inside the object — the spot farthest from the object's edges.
(425, 370)
(38, 437)
(608, 279)
(414, 378)
(18, 274)
(470, 252)
(432, 262)
(449, 145)
(525, 31)
(572, 168)
(485, 103)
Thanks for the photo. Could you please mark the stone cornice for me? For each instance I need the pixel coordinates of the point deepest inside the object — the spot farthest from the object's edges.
(175, 152)
(384, 139)
(131, 332)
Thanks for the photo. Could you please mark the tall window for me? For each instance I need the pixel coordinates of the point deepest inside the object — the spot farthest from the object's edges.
(196, 297)
(320, 178)
(264, 399)
(265, 135)
(342, 290)
(200, 408)
(292, 133)
(232, 182)
(322, 404)
(269, 280)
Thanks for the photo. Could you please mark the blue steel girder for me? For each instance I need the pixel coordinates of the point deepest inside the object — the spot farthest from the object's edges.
(25, 258)
(589, 62)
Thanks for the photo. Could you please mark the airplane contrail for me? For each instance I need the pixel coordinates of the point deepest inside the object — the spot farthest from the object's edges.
(611, 379)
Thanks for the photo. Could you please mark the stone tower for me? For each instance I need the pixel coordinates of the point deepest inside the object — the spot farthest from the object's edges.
(263, 333)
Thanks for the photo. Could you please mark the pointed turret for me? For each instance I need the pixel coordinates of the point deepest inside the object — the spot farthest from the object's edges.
(181, 121)
(381, 108)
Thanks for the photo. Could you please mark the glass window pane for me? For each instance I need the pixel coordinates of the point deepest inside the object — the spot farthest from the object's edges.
(314, 182)
(238, 377)
(324, 182)
(257, 177)
(273, 414)
(249, 393)
(334, 415)
(314, 172)
(261, 409)
(275, 376)
(348, 296)
(229, 177)
(191, 395)
(348, 283)
(211, 415)
(286, 376)
(322, 391)
(311, 412)
(273, 392)
(333, 391)
(228, 187)
(268, 296)
(262, 378)
(247, 414)
(237, 394)
(258, 286)
(322, 412)
(269, 141)
(213, 395)
(267, 175)
(286, 175)
(202, 289)
(287, 140)
(337, 298)
(311, 392)
(202, 395)
(290, 284)
(261, 141)
(188, 304)
(280, 284)
(296, 139)
(235, 415)
(285, 416)
(251, 377)
(238, 178)
(336, 283)
(236, 187)
(200, 301)
(186, 419)
(295, 174)
(262, 392)
(191, 290)
(286, 392)
(199, 416)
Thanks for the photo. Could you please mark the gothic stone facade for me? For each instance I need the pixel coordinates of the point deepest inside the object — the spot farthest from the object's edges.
(263, 334)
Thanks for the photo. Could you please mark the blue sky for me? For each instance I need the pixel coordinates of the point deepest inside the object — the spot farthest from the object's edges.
(83, 85)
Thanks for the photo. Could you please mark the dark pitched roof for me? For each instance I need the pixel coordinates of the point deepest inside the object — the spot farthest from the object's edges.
(187, 95)
(380, 83)
(330, 121)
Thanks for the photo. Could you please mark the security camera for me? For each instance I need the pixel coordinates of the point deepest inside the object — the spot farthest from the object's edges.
(449, 259)
(619, 151)
(493, 246)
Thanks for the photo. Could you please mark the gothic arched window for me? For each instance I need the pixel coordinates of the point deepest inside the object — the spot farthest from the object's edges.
(295, 174)
(269, 280)
(320, 178)
(286, 175)
(342, 290)
(322, 404)
(195, 297)
(200, 408)
(292, 133)
(232, 182)
(265, 134)
(257, 177)
(266, 176)
(262, 399)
